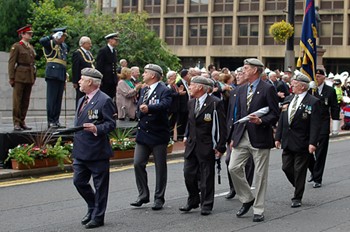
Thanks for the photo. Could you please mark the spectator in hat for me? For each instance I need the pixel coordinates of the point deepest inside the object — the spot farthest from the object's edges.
(22, 74)
(106, 63)
(92, 149)
(82, 58)
(338, 91)
(206, 114)
(55, 51)
(152, 136)
(123, 63)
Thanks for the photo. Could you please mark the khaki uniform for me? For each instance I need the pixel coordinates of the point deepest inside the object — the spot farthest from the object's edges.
(21, 71)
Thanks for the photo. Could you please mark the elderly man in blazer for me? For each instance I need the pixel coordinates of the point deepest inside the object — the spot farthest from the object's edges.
(153, 135)
(106, 63)
(205, 141)
(298, 130)
(329, 109)
(92, 149)
(254, 137)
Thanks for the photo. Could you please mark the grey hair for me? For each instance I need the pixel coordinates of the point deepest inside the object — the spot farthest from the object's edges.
(84, 39)
(170, 73)
(122, 61)
(95, 81)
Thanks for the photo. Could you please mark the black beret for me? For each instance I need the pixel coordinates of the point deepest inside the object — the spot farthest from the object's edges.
(320, 71)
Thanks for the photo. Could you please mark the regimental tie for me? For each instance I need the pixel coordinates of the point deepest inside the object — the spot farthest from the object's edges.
(249, 96)
(197, 107)
(145, 95)
(294, 109)
(86, 100)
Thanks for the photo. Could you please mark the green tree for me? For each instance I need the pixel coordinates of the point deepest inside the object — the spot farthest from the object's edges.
(78, 5)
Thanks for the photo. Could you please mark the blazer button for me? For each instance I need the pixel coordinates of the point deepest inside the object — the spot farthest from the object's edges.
(138, 128)
(147, 131)
(146, 122)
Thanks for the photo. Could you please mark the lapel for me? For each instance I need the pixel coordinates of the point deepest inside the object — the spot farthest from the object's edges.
(301, 108)
(204, 106)
(84, 116)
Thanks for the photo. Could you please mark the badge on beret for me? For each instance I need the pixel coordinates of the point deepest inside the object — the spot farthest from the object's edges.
(304, 116)
(207, 117)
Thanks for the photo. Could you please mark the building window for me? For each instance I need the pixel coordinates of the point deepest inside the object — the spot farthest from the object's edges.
(174, 31)
(198, 31)
(154, 25)
(152, 6)
(223, 5)
(248, 5)
(248, 30)
(109, 6)
(298, 27)
(175, 6)
(269, 20)
(129, 6)
(222, 31)
(275, 4)
(198, 6)
(331, 30)
(332, 4)
(299, 4)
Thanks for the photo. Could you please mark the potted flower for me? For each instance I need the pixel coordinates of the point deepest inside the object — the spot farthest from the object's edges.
(123, 143)
(281, 31)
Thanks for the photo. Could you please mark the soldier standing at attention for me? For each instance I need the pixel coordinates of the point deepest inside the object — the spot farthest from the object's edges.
(55, 51)
(21, 71)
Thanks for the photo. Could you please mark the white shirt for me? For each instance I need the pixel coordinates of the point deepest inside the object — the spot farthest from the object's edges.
(111, 48)
(202, 100)
(300, 99)
(320, 88)
(152, 88)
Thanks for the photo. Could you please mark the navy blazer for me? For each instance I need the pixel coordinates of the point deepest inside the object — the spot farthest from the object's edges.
(80, 61)
(260, 136)
(106, 63)
(231, 113)
(200, 127)
(305, 127)
(86, 145)
(153, 127)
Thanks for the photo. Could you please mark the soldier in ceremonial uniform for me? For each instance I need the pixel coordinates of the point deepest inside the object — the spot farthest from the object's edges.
(55, 51)
(106, 63)
(21, 71)
(82, 58)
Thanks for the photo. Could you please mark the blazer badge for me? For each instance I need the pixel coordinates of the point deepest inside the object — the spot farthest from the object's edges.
(93, 114)
(207, 117)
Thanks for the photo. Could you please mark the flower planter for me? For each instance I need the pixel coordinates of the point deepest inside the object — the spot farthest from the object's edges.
(123, 154)
(39, 163)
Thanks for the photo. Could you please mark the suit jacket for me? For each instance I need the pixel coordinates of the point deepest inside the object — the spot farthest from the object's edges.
(305, 127)
(87, 146)
(175, 102)
(106, 63)
(200, 128)
(183, 99)
(260, 136)
(329, 107)
(80, 61)
(231, 113)
(153, 127)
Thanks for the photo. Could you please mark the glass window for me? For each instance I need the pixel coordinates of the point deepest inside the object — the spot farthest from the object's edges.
(248, 30)
(174, 31)
(223, 5)
(198, 31)
(199, 6)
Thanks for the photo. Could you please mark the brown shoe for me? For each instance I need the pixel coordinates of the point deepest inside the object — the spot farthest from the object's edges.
(25, 127)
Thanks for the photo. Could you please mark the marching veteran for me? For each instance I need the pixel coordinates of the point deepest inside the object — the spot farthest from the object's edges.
(21, 71)
(298, 131)
(92, 150)
(55, 51)
(206, 141)
(153, 135)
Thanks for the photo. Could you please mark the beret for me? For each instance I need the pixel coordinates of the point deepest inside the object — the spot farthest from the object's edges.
(202, 80)
(91, 72)
(288, 70)
(155, 68)
(254, 61)
(112, 35)
(301, 77)
(337, 81)
(320, 71)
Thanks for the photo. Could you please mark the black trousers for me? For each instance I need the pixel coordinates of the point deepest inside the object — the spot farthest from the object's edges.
(294, 165)
(54, 94)
(182, 119)
(316, 167)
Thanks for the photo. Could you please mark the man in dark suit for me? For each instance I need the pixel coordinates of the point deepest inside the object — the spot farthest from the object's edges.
(106, 63)
(230, 120)
(298, 130)
(152, 136)
(253, 138)
(205, 115)
(82, 58)
(92, 150)
(329, 108)
(55, 51)
(183, 101)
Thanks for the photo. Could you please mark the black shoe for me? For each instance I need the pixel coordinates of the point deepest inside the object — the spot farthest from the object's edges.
(258, 218)
(139, 202)
(231, 194)
(157, 205)
(245, 208)
(205, 212)
(296, 203)
(53, 125)
(311, 178)
(17, 128)
(188, 208)
(25, 127)
(86, 218)
(317, 185)
(93, 224)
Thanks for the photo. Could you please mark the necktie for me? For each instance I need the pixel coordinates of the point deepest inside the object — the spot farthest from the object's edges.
(145, 95)
(294, 109)
(88, 55)
(249, 96)
(197, 108)
(86, 100)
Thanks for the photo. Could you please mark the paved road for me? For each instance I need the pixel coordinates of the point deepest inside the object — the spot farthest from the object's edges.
(54, 205)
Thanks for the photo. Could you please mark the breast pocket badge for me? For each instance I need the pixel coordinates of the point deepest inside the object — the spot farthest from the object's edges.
(207, 117)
